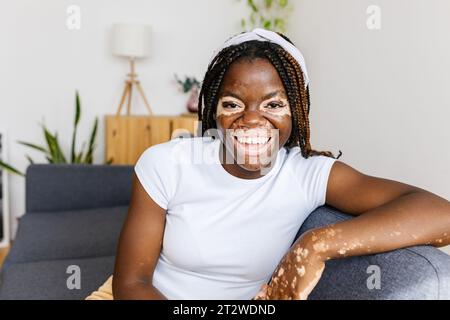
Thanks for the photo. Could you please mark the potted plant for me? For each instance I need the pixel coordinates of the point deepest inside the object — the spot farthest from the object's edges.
(52, 148)
(268, 14)
(190, 85)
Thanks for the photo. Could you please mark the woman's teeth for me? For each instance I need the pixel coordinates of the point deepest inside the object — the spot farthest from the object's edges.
(255, 140)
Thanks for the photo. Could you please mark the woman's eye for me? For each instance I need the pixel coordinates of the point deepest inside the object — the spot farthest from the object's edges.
(230, 105)
(275, 105)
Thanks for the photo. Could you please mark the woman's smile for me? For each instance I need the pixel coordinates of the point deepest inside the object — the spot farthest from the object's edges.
(257, 142)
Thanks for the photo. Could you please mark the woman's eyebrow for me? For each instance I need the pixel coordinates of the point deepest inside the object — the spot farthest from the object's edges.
(273, 94)
(230, 94)
(267, 96)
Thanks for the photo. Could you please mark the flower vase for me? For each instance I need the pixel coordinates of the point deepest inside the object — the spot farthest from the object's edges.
(192, 103)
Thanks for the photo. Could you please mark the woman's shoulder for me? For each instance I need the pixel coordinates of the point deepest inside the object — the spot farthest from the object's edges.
(299, 162)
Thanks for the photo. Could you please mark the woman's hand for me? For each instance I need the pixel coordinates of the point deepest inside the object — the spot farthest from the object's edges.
(296, 276)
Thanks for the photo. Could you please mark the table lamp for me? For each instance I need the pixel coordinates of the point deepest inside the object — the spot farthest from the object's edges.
(131, 41)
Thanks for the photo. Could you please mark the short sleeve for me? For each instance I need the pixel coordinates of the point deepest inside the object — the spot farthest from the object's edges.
(313, 174)
(156, 172)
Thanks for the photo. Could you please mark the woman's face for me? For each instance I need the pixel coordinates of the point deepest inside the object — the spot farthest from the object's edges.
(253, 113)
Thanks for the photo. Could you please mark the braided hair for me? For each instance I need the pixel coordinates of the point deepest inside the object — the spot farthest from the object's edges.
(291, 75)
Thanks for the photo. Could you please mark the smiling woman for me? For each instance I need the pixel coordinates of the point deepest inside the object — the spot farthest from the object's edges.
(224, 229)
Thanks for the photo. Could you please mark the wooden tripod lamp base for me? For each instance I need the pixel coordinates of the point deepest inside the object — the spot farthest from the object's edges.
(131, 82)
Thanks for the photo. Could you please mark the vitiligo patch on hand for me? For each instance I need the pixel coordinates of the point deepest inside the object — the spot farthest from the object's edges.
(280, 272)
(301, 252)
(320, 247)
(301, 271)
(294, 283)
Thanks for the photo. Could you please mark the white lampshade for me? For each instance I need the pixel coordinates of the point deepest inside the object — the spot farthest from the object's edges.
(131, 40)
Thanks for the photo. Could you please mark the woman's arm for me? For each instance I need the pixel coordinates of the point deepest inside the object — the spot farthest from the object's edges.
(390, 215)
(139, 248)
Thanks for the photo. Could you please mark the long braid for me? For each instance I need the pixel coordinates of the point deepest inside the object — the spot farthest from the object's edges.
(302, 120)
(293, 95)
(290, 74)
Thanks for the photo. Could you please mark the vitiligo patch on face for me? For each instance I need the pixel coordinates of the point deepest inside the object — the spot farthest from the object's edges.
(283, 110)
(221, 111)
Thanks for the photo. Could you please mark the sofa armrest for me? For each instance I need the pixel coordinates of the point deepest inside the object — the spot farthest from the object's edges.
(419, 272)
(55, 187)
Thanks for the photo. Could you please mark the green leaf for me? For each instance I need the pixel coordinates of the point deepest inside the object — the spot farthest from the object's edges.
(34, 146)
(283, 3)
(252, 19)
(262, 19)
(267, 24)
(243, 23)
(252, 5)
(61, 157)
(77, 108)
(89, 154)
(10, 168)
(268, 3)
(30, 160)
(50, 144)
(279, 24)
(79, 156)
(56, 155)
(75, 125)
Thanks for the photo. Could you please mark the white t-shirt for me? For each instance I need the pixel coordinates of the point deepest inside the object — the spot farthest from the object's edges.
(224, 235)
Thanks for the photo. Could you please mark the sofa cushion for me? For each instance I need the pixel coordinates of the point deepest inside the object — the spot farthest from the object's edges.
(67, 235)
(48, 279)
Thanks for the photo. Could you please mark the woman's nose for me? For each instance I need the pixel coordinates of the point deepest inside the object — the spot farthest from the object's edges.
(252, 117)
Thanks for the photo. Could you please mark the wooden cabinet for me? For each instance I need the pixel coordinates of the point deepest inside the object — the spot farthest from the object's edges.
(126, 137)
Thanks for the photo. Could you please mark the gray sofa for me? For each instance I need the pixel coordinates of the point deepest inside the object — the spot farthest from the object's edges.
(74, 215)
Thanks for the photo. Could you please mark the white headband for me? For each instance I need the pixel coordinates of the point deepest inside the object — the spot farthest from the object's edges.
(270, 36)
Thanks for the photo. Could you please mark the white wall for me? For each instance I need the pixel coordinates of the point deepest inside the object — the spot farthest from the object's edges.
(379, 96)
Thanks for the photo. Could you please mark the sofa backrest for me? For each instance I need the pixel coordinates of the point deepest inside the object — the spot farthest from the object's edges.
(60, 187)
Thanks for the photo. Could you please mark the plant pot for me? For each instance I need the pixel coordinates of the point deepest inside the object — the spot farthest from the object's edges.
(192, 103)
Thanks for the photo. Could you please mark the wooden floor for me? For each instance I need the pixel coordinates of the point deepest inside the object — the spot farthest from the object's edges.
(3, 253)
